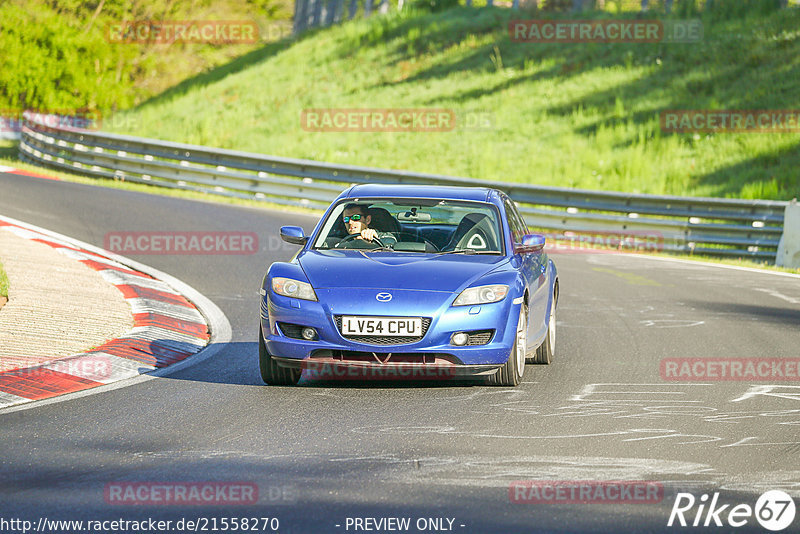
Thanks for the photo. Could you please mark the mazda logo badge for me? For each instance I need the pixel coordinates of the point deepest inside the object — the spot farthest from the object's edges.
(383, 297)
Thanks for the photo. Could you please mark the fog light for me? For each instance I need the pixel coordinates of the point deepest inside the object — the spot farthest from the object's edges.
(459, 338)
(308, 333)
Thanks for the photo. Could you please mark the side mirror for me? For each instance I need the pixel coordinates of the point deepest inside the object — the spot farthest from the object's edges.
(293, 235)
(530, 243)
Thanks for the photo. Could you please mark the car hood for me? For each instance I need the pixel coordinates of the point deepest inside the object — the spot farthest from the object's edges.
(395, 270)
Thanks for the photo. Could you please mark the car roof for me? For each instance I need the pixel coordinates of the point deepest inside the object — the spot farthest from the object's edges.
(481, 194)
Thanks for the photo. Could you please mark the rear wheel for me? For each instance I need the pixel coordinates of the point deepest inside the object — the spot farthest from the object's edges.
(511, 372)
(271, 372)
(545, 352)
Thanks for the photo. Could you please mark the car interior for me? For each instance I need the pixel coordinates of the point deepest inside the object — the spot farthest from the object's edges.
(475, 231)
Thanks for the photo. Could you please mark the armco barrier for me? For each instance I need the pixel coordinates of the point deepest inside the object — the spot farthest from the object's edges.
(718, 227)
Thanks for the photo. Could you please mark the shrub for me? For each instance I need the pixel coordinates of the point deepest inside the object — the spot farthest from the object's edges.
(433, 6)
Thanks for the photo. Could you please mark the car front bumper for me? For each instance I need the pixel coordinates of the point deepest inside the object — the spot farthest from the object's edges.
(433, 351)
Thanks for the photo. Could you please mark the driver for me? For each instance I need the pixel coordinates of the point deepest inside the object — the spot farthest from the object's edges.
(356, 220)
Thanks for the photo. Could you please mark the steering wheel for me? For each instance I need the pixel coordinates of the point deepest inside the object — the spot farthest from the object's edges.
(351, 237)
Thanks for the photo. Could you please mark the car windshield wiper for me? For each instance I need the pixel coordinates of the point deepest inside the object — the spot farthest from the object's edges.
(363, 251)
(470, 251)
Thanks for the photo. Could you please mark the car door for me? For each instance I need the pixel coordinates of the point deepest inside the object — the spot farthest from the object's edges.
(532, 265)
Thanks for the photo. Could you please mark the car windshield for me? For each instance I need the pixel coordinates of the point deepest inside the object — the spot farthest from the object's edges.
(417, 225)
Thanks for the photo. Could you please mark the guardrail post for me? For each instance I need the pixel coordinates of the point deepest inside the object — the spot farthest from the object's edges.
(316, 19)
(330, 12)
(789, 246)
(300, 17)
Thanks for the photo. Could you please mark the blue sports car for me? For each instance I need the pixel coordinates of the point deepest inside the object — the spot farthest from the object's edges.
(407, 281)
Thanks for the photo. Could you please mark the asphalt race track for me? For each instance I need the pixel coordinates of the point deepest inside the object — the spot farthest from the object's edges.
(324, 452)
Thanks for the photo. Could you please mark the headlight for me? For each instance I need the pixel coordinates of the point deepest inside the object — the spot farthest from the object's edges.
(481, 295)
(293, 288)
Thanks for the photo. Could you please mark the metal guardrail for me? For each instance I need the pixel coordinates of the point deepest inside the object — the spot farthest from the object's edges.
(718, 227)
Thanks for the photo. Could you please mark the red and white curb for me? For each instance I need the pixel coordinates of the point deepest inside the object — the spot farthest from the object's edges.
(168, 327)
(23, 172)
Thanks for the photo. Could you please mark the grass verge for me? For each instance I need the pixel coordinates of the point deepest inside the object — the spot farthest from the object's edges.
(3, 282)
(583, 115)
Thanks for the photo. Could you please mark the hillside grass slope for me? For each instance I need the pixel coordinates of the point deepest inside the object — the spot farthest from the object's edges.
(573, 115)
(60, 56)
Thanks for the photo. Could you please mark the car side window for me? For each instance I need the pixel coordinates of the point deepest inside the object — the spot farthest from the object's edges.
(520, 220)
(518, 228)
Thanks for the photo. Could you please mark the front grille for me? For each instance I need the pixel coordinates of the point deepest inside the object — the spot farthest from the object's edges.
(384, 340)
(407, 358)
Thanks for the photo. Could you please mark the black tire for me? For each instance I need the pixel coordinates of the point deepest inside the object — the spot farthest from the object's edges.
(271, 372)
(509, 374)
(545, 352)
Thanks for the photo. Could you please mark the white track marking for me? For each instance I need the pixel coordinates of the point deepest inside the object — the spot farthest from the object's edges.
(123, 279)
(784, 392)
(778, 294)
(164, 308)
(671, 323)
(695, 263)
(9, 399)
(156, 333)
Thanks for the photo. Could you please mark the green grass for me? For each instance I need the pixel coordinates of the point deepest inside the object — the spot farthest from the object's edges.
(58, 57)
(3, 282)
(572, 115)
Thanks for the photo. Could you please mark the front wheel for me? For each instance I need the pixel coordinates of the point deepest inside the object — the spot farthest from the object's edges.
(271, 372)
(511, 372)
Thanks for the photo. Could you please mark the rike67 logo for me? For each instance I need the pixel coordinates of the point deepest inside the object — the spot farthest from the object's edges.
(774, 510)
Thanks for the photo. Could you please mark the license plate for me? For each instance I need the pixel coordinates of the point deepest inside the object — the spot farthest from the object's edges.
(382, 326)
